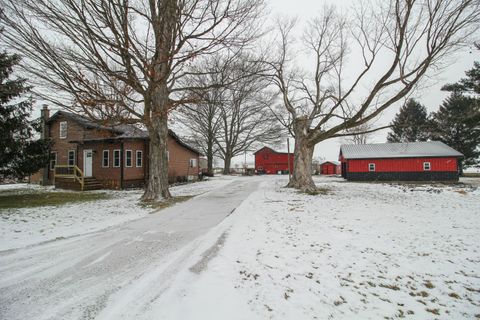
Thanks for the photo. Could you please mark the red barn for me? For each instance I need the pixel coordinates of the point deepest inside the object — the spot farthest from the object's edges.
(413, 161)
(270, 161)
(330, 167)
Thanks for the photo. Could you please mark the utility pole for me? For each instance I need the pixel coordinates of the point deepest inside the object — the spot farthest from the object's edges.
(288, 153)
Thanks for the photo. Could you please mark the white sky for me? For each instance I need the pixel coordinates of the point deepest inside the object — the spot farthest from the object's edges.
(431, 96)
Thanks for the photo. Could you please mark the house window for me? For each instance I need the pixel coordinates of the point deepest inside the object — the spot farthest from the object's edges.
(371, 167)
(116, 158)
(106, 159)
(71, 157)
(128, 158)
(53, 160)
(193, 163)
(63, 130)
(426, 166)
(139, 159)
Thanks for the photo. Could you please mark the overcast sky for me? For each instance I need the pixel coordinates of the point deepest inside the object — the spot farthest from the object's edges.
(431, 96)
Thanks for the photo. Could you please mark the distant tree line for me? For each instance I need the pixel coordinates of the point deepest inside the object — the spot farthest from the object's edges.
(456, 123)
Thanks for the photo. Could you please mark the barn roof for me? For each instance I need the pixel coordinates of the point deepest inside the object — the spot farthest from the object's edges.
(332, 162)
(398, 150)
(274, 151)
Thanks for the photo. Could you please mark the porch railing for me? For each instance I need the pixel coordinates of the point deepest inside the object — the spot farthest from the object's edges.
(74, 172)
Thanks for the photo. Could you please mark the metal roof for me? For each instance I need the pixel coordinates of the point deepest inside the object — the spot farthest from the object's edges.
(398, 150)
(331, 161)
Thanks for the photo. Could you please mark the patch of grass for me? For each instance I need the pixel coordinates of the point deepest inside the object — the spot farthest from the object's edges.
(389, 286)
(454, 295)
(429, 284)
(422, 294)
(316, 192)
(340, 301)
(434, 311)
(471, 174)
(47, 198)
(160, 205)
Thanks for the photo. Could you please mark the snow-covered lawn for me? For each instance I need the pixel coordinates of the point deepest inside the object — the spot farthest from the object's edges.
(27, 226)
(363, 251)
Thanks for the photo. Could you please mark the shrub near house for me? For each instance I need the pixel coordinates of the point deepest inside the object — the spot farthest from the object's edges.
(108, 156)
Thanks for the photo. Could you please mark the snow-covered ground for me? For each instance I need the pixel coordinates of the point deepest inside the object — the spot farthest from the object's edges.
(27, 226)
(361, 251)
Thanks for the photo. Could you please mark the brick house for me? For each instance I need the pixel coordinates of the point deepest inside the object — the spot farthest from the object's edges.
(88, 155)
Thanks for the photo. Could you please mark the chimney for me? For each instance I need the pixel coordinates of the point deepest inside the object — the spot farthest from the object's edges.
(44, 116)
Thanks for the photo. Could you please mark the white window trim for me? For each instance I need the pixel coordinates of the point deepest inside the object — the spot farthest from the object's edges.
(66, 129)
(119, 158)
(141, 158)
(131, 159)
(56, 159)
(74, 157)
(103, 159)
(429, 166)
(193, 163)
(370, 167)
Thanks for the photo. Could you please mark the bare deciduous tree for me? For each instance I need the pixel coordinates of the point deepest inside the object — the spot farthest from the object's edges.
(245, 117)
(360, 134)
(125, 55)
(202, 118)
(235, 114)
(397, 41)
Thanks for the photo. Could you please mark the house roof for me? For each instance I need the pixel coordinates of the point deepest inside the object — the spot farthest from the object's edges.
(398, 150)
(87, 123)
(123, 131)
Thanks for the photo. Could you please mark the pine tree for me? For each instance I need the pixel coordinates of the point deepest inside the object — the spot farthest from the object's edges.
(457, 124)
(470, 84)
(20, 153)
(410, 124)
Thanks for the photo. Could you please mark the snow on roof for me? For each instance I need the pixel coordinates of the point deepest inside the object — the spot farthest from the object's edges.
(398, 150)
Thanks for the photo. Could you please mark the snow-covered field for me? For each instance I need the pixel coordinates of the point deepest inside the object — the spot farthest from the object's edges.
(362, 251)
(27, 226)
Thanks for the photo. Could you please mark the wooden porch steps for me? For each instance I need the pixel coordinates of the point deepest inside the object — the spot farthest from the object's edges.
(92, 184)
(71, 184)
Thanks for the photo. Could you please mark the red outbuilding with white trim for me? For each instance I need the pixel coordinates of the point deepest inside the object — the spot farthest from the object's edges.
(330, 167)
(413, 161)
(269, 161)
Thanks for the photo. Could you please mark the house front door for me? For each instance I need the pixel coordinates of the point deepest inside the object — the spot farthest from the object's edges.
(87, 162)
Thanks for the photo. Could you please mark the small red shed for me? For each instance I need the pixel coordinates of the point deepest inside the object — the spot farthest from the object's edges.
(269, 161)
(330, 167)
(412, 161)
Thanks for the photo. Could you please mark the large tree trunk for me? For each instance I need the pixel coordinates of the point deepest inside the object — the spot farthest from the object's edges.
(303, 154)
(157, 184)
(210, 158)
(227, 164)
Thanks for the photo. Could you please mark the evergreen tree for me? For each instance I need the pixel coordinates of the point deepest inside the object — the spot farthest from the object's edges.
(410, 124)
(470, 84)
(20, 153)
(457, 124)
